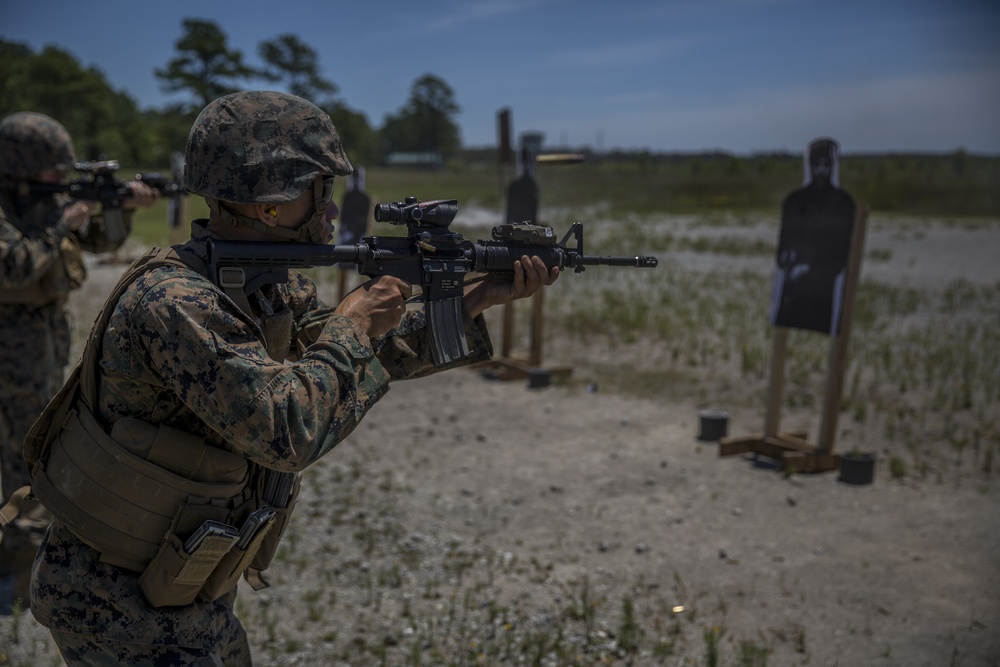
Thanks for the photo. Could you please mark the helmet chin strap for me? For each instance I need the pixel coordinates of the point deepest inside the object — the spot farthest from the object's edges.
(309, 230)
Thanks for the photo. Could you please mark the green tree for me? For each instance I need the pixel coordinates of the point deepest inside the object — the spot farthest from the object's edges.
(427, 122)
(291, 61)
(14, 57)
(169, 128)
(205, 66)
(361, 141)
(101, 120)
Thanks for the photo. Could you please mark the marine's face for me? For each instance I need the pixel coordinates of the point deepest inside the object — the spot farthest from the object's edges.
(52, 176)
(313, 211)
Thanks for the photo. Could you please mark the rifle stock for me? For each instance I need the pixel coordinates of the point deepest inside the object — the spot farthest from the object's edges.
(430, 257)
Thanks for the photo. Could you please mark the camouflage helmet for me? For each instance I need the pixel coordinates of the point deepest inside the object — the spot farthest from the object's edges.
(32, 142)
(261, 147)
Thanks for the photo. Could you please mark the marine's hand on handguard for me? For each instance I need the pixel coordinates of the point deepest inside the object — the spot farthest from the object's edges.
(140, 195)
(530, 275)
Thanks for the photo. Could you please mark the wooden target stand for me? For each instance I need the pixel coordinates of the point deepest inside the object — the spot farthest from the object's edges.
(792, 450)
(177, 209)
(508, 366)
(178, 214)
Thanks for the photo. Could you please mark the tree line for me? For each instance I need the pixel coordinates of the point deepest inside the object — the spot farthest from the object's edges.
(104, 121)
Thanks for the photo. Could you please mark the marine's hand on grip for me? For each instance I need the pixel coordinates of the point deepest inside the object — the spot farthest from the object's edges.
(77, 213)
(376, 306)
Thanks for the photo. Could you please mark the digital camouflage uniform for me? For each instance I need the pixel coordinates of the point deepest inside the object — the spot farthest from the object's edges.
(39, 264)
(178, 351)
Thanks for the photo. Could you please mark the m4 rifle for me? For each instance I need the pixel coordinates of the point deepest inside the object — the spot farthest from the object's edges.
(431, 256)
(102, 186)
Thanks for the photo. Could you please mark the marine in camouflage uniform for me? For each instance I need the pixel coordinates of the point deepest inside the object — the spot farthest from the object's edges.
(40, 263)
(179, 351)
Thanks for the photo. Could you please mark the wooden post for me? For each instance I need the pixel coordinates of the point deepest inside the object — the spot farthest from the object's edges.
(179, 226)
(508, 330)
(777, 385)
(537, 317)
(522, 206)
(840, 343)
(177, 209)
(504, 151)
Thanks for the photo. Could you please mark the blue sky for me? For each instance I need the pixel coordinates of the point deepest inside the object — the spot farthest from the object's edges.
(668, 75)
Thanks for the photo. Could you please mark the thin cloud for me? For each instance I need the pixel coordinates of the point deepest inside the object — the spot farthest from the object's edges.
(622, 53)
(755, 3)
(457, 14)
(640, 97)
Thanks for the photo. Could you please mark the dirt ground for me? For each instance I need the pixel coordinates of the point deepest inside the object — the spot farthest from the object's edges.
(475, 521)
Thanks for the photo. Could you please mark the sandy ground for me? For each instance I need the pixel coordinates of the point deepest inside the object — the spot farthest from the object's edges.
(477, 521)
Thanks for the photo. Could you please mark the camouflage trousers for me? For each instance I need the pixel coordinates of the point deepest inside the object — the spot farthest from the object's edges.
(19, 408)
(90, 651)
(33, 354)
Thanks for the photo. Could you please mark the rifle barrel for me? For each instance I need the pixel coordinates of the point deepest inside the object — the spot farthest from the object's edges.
(638, 261)
(498, 257)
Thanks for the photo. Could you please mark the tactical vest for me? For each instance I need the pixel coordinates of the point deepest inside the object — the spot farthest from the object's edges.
(190, 516)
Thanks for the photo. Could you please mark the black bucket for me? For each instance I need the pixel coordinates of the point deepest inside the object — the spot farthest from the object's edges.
(539, 378)
(714, 425)
(857, 468)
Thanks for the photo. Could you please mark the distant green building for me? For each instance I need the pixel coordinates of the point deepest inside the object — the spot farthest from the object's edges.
(428, 160)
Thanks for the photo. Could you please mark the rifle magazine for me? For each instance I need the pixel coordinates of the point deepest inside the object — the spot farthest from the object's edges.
(446, 328)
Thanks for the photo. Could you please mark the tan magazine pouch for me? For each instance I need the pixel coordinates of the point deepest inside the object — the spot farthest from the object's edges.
(74, 270)
(232, 566)
(175, 577)
(282, 515)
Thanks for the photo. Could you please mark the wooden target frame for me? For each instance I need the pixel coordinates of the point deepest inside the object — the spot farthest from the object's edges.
(792, 450)
(508, 366)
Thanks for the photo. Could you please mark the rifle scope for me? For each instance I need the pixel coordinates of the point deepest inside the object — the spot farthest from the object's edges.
(437, 213)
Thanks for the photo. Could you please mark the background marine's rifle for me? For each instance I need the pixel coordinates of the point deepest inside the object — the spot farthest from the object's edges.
(430, 257)
(102, 186)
